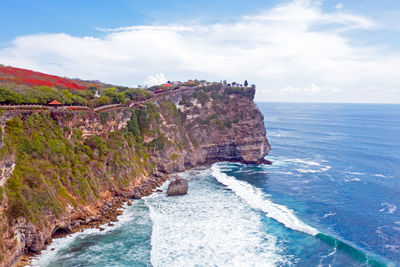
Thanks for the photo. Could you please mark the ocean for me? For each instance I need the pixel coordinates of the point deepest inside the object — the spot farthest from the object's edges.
(330, 198)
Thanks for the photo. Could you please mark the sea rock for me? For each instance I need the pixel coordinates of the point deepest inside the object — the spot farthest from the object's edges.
(178, 187)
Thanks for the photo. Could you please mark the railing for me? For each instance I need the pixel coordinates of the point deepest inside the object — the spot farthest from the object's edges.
(23, 106)
(95, 109)
(107, 106)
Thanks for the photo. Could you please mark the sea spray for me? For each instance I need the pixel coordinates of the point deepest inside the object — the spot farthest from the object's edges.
(209, 226)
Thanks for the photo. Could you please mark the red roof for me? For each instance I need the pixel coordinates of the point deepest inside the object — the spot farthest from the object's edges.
(167, 84)
(55, 102)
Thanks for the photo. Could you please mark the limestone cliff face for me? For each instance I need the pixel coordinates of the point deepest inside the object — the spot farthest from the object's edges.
(140, 146)
(216, 126)
(196, 127)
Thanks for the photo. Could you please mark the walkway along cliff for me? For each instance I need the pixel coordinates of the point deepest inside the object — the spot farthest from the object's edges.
(63, 170)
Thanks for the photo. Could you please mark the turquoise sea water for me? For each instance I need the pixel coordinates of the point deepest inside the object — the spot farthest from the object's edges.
(330, 198)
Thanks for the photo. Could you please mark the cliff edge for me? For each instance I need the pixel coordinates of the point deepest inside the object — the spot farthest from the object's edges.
(64, 170)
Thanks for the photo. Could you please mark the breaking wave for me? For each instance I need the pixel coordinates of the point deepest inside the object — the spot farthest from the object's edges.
(257, 200)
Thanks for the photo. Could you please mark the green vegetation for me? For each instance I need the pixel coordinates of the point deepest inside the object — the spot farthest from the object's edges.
(44, 94)
(172, 113)
(174, 156)
(115, 96)
(52, 171)
(202, 97)
(186, 101)
(133, 125)
(241, 91)
(137, 94)
(1, 194)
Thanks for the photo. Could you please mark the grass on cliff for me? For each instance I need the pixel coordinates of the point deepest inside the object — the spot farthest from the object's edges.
(52, 171)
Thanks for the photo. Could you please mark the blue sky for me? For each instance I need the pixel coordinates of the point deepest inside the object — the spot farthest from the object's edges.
(81, 18)
(362, 36)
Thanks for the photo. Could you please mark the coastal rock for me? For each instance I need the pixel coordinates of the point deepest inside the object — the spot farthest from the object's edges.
(178, 187)
(223, 128)
(185, 129)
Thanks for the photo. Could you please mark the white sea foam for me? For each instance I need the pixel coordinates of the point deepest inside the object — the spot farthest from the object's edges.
(308, 166)
(324, 257)
(244, 171)
(354, 173)
(58, 244)
(388, 207)
(352, 180)
(319, 169)
(328, 214)
(280, 172)
(258, 200)
(307, 162)
(308, 171)
(380, 175)
(209, 227)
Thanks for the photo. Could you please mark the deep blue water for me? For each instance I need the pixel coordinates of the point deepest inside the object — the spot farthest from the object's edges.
(330, 198)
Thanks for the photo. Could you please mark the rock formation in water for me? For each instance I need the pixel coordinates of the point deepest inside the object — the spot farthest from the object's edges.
(178, 187)
(65, 170)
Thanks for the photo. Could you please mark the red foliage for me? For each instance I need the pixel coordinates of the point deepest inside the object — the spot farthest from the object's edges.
(33, 78)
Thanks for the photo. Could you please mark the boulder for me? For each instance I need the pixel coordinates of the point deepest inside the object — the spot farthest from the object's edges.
(177, 187)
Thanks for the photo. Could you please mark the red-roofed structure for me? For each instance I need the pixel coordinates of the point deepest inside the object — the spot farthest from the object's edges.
(55, 103)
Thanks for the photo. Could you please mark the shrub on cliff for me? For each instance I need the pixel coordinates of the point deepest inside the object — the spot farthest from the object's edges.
(202, 97)
(10, 97)
(241, 91)
(133, 125)
(137, 94)
(115, 96)
(52, 171)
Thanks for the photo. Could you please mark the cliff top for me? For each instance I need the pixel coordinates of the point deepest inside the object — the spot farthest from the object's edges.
(21, 86)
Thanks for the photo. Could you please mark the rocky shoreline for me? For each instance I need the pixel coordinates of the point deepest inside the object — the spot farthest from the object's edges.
(107, 213)
(110, 160)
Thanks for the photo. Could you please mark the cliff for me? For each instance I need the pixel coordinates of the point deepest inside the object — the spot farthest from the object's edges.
(64, 170)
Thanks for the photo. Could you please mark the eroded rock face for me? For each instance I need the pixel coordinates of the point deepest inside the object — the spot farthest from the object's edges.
(7, 166)
(193, 128)
(178, 187)
(223, 128)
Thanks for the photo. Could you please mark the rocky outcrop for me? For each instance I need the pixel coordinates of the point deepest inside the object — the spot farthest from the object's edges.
(7, 166)
(218, 127)
(178, 187)
(178, 131)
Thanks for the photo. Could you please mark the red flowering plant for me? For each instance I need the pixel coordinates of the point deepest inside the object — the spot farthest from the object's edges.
(33, 78)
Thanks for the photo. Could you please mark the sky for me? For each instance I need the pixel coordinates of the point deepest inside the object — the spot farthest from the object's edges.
(293, 50)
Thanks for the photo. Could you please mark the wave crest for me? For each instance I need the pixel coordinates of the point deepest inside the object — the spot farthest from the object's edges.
(257, 200)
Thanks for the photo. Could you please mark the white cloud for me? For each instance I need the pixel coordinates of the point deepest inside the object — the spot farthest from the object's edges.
(294, 45)
(339, 6)
(157, 79)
